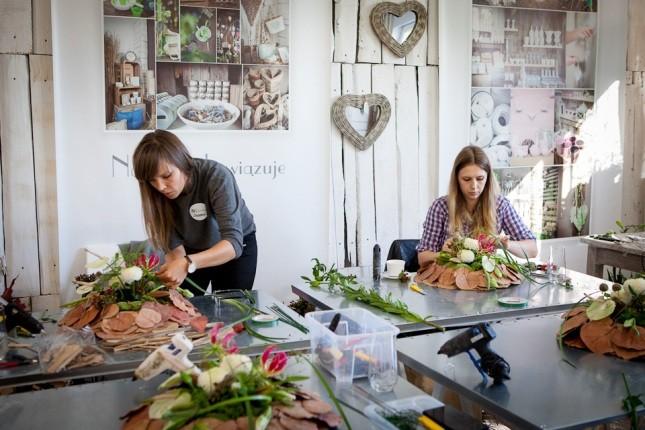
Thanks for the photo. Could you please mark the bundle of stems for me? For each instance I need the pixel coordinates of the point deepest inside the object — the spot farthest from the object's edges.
(287, 319)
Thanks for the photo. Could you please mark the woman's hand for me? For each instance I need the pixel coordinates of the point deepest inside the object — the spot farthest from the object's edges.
(447, 245)
(173, 273)
(503, 241)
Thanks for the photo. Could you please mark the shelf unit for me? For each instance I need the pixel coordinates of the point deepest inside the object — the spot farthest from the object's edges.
(579, 99)
(541, 66)
(542, 47)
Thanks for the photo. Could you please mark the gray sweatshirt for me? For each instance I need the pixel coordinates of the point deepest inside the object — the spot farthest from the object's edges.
(210, 209)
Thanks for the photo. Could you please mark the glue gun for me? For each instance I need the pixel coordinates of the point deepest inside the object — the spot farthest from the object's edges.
(478, 337)
(17, 317)
(172, 356)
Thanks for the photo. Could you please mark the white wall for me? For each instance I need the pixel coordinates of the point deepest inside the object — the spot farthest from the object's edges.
(97, 206)
(454, 102)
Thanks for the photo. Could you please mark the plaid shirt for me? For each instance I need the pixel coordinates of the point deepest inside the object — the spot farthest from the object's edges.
(435, 227)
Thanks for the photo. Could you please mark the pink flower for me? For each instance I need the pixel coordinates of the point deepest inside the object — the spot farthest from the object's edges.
(225, 339)
(273, 362)
(486, 243)
(147, 263)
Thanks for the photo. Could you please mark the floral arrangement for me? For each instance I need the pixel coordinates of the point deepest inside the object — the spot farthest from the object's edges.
(128, 301)
(234, 391)
(472, 264)
(612, 323)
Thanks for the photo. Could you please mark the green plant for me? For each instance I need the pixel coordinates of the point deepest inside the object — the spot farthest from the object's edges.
(347, 285)
(631, 403)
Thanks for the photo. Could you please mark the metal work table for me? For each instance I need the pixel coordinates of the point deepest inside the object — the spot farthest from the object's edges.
(99, 405)
(122, 364)
(544, 392)
(455, 307)
(626, 255)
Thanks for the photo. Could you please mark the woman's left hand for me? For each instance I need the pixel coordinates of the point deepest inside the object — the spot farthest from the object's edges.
(173, 272)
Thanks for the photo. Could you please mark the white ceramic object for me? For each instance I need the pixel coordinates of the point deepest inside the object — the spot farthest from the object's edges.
(200, 104)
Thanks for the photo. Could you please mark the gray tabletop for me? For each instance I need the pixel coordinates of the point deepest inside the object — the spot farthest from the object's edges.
(99, 405)
(456, 307)
(124, 363)
(544, 392)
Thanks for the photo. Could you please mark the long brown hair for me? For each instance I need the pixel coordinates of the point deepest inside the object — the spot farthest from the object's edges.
(484, 217)
(156, 147)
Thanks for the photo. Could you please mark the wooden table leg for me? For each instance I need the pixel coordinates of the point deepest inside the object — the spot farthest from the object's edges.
(594, 267)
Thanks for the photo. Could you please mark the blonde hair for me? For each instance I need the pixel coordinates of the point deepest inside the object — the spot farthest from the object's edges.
(484, 217)
(154, 148)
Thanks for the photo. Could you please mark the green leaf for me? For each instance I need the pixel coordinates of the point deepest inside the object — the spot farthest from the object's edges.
(600, 308)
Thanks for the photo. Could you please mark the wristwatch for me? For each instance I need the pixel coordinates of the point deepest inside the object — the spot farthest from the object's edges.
(191, 265)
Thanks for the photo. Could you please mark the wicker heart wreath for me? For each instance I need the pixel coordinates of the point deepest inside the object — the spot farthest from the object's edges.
(339, 116)
(378, 16)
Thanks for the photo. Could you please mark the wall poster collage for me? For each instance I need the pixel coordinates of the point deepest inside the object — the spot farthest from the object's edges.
(533, 74)
(196, 64)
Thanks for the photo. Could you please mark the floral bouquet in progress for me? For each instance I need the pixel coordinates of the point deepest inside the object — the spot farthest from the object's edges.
(127, 303)
(613, 323)
(233, 391)
(472, 264)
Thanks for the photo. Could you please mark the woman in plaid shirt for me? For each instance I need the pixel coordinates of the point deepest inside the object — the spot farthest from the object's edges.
(472, 206)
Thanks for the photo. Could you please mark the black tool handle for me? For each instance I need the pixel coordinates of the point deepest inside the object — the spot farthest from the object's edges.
(334, 323)
(376, 262)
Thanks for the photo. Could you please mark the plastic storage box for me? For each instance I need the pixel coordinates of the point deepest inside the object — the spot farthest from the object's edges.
(347, 352)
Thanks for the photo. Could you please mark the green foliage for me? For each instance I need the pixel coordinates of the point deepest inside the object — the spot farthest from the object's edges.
(631, 403)
(347, 285)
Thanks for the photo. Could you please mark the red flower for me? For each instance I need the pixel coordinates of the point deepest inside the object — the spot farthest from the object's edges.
(486, 243)
(273, 362)
(147, 263)
(225, 339)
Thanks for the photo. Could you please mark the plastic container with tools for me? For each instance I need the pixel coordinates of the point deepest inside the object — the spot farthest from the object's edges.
(346, 353)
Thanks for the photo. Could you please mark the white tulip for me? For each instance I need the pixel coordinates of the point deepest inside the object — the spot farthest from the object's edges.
(237, 363)
(131, 274)
(466, 256)
(471, 244)
(211, 378)
(488, 264)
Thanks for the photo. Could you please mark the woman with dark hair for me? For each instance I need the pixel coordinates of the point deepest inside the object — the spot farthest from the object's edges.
(194, 212)
(473, 206)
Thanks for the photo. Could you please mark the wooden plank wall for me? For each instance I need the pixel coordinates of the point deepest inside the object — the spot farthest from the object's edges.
(382, 194)
(633, 210)
(29, 234)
